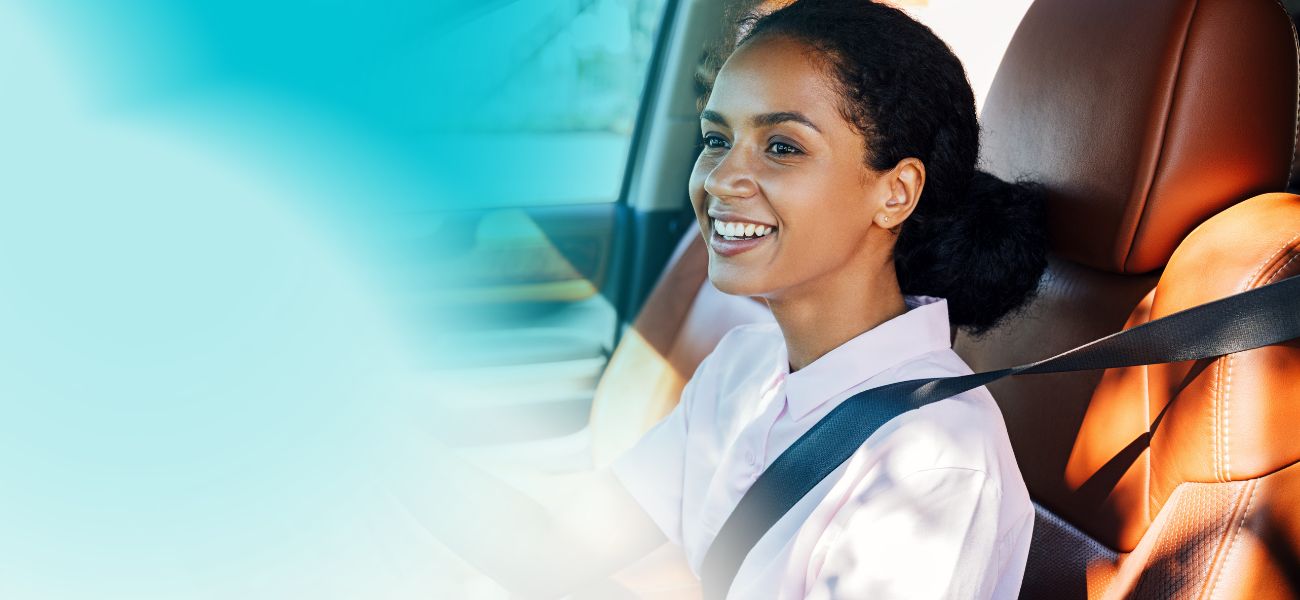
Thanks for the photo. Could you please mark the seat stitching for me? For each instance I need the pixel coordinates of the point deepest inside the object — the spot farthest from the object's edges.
(1214, 421)
(1220, 416)
(1232, 541)
(1260, 269)
(1226, 417)
(1281, 268)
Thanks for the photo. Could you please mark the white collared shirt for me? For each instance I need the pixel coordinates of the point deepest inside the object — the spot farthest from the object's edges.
(932, 505)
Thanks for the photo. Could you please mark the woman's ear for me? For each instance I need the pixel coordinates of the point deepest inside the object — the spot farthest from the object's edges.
(903, 184)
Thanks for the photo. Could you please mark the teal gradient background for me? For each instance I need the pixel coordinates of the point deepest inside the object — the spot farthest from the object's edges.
(205, 210)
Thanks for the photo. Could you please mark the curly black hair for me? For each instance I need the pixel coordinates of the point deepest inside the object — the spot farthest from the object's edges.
(974, 239)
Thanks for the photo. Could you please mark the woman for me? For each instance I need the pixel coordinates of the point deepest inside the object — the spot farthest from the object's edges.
(837, 182)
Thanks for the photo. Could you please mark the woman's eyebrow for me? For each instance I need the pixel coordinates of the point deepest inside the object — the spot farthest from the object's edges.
(709, 115)
(769, 119)
(763, 120)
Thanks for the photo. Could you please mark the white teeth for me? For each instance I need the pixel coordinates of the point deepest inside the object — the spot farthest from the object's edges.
(740, 230)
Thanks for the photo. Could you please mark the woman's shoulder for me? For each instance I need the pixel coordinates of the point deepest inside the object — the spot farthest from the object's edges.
(741, 365)
(966, 431)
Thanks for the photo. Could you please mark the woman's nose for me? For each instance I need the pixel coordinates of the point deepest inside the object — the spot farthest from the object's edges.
(731, 177)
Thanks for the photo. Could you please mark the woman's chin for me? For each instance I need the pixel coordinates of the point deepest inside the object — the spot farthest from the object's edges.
(734, 283)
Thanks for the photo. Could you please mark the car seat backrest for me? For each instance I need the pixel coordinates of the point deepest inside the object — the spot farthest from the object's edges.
(1163, 481)
(1222, 469)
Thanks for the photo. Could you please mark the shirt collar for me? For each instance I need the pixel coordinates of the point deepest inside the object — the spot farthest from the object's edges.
(922, 329)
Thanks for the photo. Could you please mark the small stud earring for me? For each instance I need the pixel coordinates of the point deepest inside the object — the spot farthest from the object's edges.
(886, 219)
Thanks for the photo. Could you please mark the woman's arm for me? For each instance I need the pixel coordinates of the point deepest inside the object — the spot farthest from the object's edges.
(534, 550)
(603, 523)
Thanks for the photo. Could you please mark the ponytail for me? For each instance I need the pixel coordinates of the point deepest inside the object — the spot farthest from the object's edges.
(985, 254)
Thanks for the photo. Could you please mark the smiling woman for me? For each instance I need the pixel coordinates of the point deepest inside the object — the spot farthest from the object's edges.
(837, 184)
(973, 240)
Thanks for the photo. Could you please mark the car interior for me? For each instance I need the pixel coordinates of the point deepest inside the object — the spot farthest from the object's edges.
(1165, 133)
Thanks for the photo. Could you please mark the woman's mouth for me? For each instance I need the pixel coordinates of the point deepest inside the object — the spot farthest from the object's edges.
(730, 238)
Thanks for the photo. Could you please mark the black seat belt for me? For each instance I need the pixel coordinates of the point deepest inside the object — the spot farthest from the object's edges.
(1252, 319)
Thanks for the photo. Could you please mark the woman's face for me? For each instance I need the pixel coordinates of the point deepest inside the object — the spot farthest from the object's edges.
(781, 190)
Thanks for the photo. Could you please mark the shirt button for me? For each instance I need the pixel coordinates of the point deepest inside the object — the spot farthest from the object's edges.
(750, 458)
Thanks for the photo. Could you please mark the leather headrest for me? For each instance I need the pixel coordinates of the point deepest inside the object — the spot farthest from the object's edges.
(1143, 119)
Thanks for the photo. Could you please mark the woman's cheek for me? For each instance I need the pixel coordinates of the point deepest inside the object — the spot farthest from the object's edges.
(695, 187)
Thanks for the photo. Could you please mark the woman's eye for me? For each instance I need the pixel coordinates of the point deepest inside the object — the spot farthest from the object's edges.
(783, 149)
(713, 141)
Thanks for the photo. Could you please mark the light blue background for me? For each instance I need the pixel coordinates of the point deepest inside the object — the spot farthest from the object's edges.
(204, 210)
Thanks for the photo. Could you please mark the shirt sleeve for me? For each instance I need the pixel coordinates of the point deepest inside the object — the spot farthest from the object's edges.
(654, 470)
(932, 534)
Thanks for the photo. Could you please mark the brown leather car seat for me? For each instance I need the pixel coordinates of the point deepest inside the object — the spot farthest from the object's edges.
(1171, 480)
(1156, 127)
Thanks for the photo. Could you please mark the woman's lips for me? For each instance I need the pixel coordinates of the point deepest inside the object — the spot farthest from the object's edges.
(732, 247)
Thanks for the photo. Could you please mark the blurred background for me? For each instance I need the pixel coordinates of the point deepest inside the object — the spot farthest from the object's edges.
(240, 240)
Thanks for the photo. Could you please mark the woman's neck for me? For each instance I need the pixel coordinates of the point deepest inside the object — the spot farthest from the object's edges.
(818, 320)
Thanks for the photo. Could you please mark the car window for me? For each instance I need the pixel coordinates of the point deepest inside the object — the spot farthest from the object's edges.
(557, 98)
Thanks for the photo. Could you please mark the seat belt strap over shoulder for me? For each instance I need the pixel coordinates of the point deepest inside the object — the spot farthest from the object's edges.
(1252, 319)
